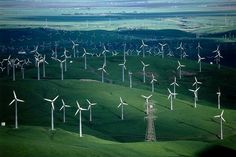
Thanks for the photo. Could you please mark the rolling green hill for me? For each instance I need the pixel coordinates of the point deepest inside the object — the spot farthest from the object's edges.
(185, 131)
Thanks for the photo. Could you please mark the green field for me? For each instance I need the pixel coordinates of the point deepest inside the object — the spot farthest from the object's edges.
(185, 131)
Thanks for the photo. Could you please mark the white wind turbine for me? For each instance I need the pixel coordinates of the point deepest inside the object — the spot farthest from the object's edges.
(61, 66)
(218, 58)
(198, 48)
(8, 63)
(174, 84)
(195, 96)
(144, 71)
(181, 50)
(180, 66)
(218, 96)
(13, 64)
(171, 98)
(221, 125)
(103, 71)
(123, 70)
(122, 103)
(65, 55)
(196, 84)
(162, 49)
(52, 110)
(80, 109)
(200, 62)
(147, 101)
(90, 109)
(15, 100)
(64, 110)
(38, 61)
(44, 61)
(85, 58)
(74, 47)
(143, 47)
(130, 79)
(153, 82)
(104, 54)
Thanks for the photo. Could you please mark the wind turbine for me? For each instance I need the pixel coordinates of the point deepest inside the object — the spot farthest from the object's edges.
(8, 63)
(218, 95)
(198, 48)
(122, 103)
(44, 61)
(80, 109)
(171, 98)
(15, 100)
(130, 79)
(174, 84)
(217, 58)
(64, 110)
(90, 109)
(65, 55)
(103, 71)
(123, 70)
(180, 66)
(152, 82)
(61, 65)
(143, 48)
(162, 49)
(181, 50)
(221, 125)
(147, 101)
(74, 47)
(52, 109)
(200, 62)
(38, 61)
(85, 58)
(196, 84)
(195, 96)
(104, 54)
(13, 64)
(144, 73)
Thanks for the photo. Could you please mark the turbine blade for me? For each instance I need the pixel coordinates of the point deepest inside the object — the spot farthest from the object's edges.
(14, 94)
(19, 100)
(77, 112)
(48, 100)
(62, 107)
(12, 102)
(55, 98)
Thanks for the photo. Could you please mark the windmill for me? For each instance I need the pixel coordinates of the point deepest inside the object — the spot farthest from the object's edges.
(104, 54)
(85, 58)
(180, 66)
(162, 49)
(171, 98)
(143, 48)
(80, 109)
(195, 96)
(144, 71)
(181, 50)
(64, 110)
(122, 103)
(174, 84)
(198, 48)
(103, 71)
(153, 82)
(200, 62)
(221, 123)
(147, 101)
(123, 70)
(74, 47)
(196, 84)
(52, 110)
(66, 57)
(90, 109)
(61, 66)
(16, 112)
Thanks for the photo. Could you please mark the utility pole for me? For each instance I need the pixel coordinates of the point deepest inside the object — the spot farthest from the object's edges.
(150, 131)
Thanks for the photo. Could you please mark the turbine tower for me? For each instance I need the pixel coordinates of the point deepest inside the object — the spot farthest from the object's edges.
(90, 109)
(143, 48)
(221, 123)
(64, 110)
(180, 66)
(144, 71)
(200, 62)
(52, 110)
(195, 96)
(171, 98)
(122, 103)
(130, 80)
(80, 109)
(103, 71)
(123, 70)
(15, 100)
(174, 84)
(218, 95)
(146, 102)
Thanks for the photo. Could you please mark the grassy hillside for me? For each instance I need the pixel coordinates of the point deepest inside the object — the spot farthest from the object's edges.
(185, 131)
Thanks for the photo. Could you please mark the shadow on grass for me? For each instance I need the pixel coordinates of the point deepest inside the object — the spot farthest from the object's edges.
(217, 151)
